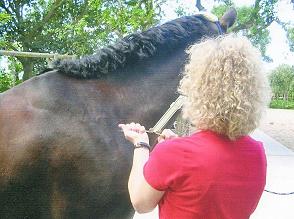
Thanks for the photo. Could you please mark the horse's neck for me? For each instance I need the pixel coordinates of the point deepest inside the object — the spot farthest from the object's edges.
(148, 94)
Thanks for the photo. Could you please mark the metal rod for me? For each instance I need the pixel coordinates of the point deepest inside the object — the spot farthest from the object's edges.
(150, 131)
(157, 133)
(34, 54)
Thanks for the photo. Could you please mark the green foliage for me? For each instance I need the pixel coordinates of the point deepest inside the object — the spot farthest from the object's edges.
(290, 36)
(252, 21)
(6, 81)
(125, 17)
(282, 104)
(243, 17)
(4, 18)
(282, 85)
(259, 37)
(76, 27)
(14, 67)
(81, 26)
(221, 9)
(182, 9)
(282, 82)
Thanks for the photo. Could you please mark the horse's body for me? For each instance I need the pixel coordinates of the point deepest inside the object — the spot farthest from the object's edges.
(61, 152)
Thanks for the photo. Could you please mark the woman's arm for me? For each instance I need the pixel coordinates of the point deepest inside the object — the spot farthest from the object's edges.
(144, 198)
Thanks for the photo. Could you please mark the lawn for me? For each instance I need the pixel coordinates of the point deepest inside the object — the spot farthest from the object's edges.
(282, 104)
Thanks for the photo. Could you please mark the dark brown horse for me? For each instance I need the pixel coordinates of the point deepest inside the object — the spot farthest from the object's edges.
(61, 152)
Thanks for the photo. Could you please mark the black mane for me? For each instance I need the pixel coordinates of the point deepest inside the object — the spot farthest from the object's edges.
(137, 46)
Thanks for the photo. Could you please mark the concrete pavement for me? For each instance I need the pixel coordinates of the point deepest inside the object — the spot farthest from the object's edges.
(280, 178)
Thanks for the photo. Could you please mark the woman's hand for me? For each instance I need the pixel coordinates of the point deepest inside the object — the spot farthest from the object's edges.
(134, 132)
(166, 134)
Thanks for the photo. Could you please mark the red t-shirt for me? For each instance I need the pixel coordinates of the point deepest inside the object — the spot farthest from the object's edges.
(207, 176)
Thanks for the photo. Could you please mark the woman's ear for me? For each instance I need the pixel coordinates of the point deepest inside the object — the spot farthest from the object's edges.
(228, 19)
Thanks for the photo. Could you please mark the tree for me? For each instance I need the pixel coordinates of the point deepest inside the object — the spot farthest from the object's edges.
(70, 27)
(282, 81)
(252, 21)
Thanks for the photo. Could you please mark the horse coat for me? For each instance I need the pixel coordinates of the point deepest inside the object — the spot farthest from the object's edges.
(61, 152)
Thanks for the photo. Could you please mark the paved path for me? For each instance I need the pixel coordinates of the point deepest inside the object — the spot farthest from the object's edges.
(279, 124)
(280, 178)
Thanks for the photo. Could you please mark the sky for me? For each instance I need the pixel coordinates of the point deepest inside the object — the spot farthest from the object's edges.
(278, 49)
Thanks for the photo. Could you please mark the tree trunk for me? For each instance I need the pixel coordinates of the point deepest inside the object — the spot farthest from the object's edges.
(27, 65)
(285, 97)
(199, 6)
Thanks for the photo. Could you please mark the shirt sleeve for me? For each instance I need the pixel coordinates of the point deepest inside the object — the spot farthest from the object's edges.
(163, 168)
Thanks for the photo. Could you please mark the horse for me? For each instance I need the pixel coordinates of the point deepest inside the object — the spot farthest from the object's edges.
(61, 152)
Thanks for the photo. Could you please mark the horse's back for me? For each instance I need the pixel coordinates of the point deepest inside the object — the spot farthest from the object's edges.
(55, 161)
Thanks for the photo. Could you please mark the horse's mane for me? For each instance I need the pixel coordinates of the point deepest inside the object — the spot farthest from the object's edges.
(137, 46)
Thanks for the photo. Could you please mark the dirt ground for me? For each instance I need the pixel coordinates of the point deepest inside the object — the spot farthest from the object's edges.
(279, 124)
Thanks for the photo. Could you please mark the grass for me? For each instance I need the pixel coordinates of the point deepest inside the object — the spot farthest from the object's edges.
(282, 104)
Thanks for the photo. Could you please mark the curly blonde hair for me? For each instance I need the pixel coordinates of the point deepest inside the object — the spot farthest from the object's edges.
(225, 85)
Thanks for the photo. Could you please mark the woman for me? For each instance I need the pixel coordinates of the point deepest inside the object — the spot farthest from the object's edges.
(218, 171)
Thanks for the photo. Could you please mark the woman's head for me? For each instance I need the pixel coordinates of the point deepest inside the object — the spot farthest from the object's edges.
(225, 86)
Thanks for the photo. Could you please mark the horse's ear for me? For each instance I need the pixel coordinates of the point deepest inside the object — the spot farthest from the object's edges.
(228, 19)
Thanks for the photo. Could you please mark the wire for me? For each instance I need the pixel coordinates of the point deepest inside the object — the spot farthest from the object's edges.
(279, 193)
